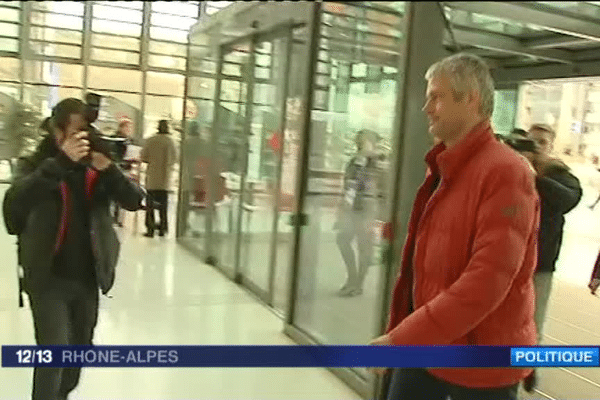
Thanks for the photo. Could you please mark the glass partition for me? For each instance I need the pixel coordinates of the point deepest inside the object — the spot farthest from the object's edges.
(339, 273)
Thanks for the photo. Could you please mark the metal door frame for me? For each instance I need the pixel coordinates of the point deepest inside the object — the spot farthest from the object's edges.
(284, 30)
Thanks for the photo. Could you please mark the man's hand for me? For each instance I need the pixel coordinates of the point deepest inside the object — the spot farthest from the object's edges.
(76, 147)
(100, 161)
(383, 340)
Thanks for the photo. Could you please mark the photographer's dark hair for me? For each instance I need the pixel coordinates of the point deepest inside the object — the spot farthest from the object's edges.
(46, 125)
(61, 113)
(545, 128)
(519, 132)
(163, 127)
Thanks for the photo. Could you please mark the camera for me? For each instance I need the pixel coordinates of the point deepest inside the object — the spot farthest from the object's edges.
(108, 145)
(521, 144)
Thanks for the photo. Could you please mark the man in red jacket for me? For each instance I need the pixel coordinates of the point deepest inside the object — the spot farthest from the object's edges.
(466, 274)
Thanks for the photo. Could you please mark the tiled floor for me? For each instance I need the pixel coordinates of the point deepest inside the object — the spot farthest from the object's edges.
(163, 295)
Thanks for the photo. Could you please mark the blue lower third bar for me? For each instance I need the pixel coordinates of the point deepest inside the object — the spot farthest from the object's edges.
(298, 356)
(554, 357)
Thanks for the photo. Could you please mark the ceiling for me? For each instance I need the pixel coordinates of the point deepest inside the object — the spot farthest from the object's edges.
(528, 40)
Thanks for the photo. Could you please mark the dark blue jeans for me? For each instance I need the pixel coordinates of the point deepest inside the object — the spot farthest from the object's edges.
(417, 384)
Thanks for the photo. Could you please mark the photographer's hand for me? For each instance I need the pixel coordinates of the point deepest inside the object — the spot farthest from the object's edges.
(100, 161)
(76, 147)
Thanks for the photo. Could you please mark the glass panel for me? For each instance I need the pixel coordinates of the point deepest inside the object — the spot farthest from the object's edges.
(171, 49)
(56, 50)
(230, 158)
(232, 70)
(56, 20)
(138, 5)
(134, 100)
(115, 42)
(266, 142)
(13, 4)
(169, 21)
(215, 6)
(290, 158)
(196, 158)
(183, 8)
(9, 68)
(346, 194)
(9, 14)
(117, 14)
(117, 107)
(7, 29)
(117, 28)
(163, 83)
(157, 108)
(11, 45)
(64, 7)
(505, 110)
(201, 87)
(53, 73)
(166, 62)
(123, 57)
(55, 35)
(43, 98)
(169, 35)
(584, 8)
(115, 79)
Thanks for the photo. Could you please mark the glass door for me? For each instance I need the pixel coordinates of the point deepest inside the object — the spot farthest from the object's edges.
(231, 130)
(340, 276)
(260, 214)
(253, 142)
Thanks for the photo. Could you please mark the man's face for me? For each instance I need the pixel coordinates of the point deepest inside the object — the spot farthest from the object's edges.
(543, 139)
(447, 116)
(76, 124)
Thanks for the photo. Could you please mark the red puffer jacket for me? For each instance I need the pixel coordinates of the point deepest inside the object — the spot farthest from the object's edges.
(469, 256)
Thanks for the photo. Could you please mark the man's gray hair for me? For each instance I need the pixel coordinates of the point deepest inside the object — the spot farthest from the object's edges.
(467, 73)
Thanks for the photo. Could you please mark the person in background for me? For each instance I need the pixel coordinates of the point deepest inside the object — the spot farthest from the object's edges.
(357, 211)
(466, 275)
(58, 206)
(560, 192)
(160, 154)
(193, 149)
(595, 279)
(125, 165)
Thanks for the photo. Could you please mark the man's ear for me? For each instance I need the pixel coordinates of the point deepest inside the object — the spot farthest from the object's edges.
(474, 99)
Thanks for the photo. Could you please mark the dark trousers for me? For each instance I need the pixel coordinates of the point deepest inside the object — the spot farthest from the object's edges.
(596, 271)
(417, 384)
(158, 199)
(62, 316)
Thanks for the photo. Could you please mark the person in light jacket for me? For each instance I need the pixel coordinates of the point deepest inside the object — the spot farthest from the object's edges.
(160, 154)
(466, 275)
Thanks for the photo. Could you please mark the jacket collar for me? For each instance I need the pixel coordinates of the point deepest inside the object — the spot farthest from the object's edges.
(448, 161)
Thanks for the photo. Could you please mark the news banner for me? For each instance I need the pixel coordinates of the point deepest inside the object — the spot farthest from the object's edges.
(301, 356)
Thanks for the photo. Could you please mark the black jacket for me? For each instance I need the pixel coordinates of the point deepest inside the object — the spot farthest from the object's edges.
(33, 209)
(559, 191)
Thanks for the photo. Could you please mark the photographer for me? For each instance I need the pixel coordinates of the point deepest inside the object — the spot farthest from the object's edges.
(559, 191)
(58, 205)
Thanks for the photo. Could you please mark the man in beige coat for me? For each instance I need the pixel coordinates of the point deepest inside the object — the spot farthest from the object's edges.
(160, 154)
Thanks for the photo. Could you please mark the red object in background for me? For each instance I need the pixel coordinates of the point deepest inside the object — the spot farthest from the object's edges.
(275, 142)
(387, 232)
